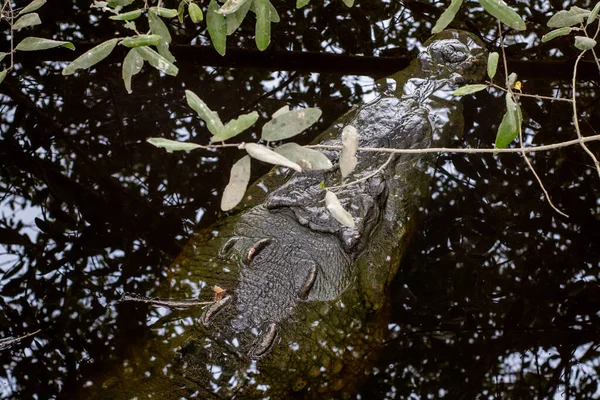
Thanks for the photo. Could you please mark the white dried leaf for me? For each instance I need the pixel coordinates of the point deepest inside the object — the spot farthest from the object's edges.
(288, 124)
(281, 111)
(337, 211)
(262, 153)
(348, 159)
(308, 159)
(238, 182)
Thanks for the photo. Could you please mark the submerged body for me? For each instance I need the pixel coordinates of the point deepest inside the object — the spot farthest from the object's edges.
(304, 308)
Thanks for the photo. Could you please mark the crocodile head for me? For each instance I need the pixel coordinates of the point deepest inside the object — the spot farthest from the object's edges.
(455, 56)
(304, 307)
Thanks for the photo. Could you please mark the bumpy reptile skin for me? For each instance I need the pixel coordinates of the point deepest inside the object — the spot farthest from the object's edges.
(305, 309)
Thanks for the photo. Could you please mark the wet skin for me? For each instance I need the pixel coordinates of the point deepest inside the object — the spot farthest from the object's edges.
(304, 310)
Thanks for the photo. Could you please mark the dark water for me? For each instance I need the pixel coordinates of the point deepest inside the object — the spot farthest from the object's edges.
(499, 296)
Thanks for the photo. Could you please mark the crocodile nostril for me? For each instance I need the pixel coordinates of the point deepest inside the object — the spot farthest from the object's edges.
(214, 309)
(228, 246)
(266, 342)
(308, 282)
(256, 248)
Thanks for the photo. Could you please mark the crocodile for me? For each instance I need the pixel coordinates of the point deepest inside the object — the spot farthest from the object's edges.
(296, 302)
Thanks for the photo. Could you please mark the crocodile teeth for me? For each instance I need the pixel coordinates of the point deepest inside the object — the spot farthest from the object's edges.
(256, 248)
(266, 342)
(214, 309)
(308, 283)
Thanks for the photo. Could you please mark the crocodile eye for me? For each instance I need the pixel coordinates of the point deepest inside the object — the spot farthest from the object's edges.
(455, 53)
(308, 283)
(212, 311)
(255, 249)
(266, 342)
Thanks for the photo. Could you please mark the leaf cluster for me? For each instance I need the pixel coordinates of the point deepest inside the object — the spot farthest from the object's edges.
(284, 124)
(24, 19)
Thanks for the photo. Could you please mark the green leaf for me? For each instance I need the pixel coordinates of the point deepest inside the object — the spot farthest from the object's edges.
(594, 14)
(130, 25)
(3, 75)
(507, 133)
(308, 159)
(132, 64)
(163, 49)
(236, 126)
(99, 4)
(563, 18)
(2, 55)
(165, 12)
(217, 27)
(235, 20)
(447, 16)
(141, 40)
(511, 112)
(231, 6)
(584, 43)
(91, 57)
(556, 33)
(468, 89)
(181, 11)
(35, 43)
(128, 16)
(512, 78)
(504, 13)
(263, 24)
(157, 26)
(348, 3)
(238, 182)
(301, 3)
(348, 158)
(157, 61)
(34, 5)
(211, 118)
(337, 211)
(122, 3)
(172, 145)
(267, 155)
(492, 64)
(290, 124)
(27, 20)
(274, 15)
(195, 13)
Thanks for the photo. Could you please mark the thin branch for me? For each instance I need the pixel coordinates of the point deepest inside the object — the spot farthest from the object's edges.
(532, 149)
(519, 127)
(385, 164)
(11, 341)
(593, 50)
(12, 35)
(166, 303)
(576, 120)
(536, 96)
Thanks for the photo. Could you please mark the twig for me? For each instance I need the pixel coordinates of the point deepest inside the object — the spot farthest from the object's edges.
(166, 303)
(532, 149)
(11, 341)
(12, 34)
(519, 123)
(576, 120)
(385, 164)
(594, 50)
(536, 96)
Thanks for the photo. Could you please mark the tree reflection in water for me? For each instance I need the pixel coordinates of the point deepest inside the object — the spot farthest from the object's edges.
(498, 298)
